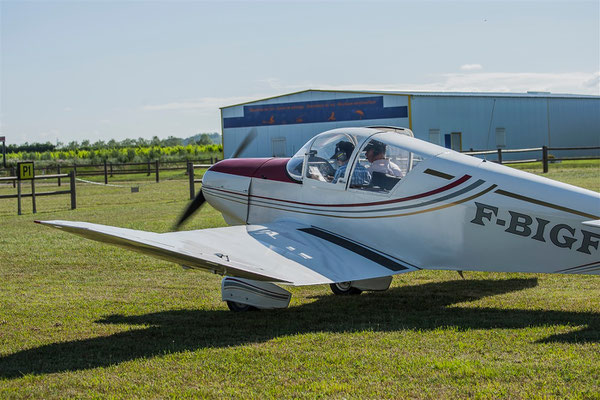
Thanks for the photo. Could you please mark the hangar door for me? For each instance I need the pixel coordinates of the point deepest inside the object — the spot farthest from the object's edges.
(278, 146)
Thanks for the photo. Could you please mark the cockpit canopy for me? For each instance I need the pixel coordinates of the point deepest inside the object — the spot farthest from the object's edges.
(374, 158)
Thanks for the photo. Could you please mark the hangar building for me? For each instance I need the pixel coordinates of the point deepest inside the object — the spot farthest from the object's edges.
(461, 121)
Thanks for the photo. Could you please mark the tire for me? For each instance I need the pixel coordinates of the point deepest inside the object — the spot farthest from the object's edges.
(344, 289)
(240, 307)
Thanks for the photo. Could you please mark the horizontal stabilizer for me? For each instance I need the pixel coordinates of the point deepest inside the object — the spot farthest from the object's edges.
(594, 223)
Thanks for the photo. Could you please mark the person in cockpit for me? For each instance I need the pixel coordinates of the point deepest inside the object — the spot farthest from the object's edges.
(375, 152)
(343, 151)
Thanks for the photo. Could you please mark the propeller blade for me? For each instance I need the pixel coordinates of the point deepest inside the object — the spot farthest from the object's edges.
(191, 208)
(247, 140)
(199, 199)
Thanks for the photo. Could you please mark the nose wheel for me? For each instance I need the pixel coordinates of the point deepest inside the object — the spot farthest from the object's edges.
(344, 289)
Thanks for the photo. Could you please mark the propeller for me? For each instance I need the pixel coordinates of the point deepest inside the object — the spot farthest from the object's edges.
(247, 140)
(199, 200)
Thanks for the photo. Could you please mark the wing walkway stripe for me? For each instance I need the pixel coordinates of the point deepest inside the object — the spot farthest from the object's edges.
(355, 248)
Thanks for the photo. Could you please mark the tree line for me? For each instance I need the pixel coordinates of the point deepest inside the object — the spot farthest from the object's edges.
(201, 139)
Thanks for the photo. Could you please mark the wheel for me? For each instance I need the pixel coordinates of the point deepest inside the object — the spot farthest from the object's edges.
(344, 289)
(239, 307)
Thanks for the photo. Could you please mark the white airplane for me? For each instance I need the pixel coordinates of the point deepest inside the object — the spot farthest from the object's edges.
(356, 206)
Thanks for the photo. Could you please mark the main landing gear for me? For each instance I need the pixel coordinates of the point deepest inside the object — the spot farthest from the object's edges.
(239, 307)
(344, 289)
(246, 294)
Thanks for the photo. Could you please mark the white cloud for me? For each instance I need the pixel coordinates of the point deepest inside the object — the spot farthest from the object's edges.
(205, 104)
(565, 82)
(67, 109)
(471, 67)
(516, 82)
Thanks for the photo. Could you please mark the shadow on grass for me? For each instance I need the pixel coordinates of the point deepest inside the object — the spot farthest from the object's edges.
(420, 307)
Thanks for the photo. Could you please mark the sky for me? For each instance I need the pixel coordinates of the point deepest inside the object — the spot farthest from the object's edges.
(101, 70)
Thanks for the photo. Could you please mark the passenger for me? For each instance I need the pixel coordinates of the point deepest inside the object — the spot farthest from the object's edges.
(375, 152)
(343, 151)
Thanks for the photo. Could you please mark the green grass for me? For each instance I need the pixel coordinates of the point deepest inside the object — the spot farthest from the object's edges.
(79, 319)
(584, 173)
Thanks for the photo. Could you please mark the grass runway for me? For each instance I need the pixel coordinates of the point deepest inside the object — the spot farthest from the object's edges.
(80, 319)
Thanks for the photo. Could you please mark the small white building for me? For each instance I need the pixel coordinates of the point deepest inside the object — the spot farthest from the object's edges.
(461, 121)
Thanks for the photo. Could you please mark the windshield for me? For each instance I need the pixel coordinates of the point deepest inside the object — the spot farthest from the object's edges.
(296, 163)
(328, 156)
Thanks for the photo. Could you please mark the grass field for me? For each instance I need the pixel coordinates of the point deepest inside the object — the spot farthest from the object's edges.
(79, 319)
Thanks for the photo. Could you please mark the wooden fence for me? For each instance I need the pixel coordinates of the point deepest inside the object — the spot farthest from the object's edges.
(108, 170)
(191, 176)
(545, 159)
(33, 194)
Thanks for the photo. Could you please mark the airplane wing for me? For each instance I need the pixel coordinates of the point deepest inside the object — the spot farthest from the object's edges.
(282, 252)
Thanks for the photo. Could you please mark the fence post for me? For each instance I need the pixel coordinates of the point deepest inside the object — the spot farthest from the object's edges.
(19, 197)
(58, 172)
(156, 169)
(73, 193)
(111, 170)
(191, 178)
(13, 172)
(105, 173)
(545, 158)
(499, 156)
(211, 160)
(149, 168)
(33, 195)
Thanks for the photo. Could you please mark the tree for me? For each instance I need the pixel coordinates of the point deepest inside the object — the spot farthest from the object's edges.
(204, 140)
(172, 141)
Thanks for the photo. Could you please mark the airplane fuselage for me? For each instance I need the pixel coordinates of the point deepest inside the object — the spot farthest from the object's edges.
(449, 212)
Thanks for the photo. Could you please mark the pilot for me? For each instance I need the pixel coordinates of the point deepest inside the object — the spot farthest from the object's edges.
(375, 152)
(343, 151)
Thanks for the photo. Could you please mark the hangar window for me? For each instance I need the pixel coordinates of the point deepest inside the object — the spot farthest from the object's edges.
(434, 136)
(456, 141)
(500, 138)
(278, 147)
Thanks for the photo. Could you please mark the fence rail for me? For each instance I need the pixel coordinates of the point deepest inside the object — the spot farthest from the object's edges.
(109, 170)
(545, 154)
(72, 190)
